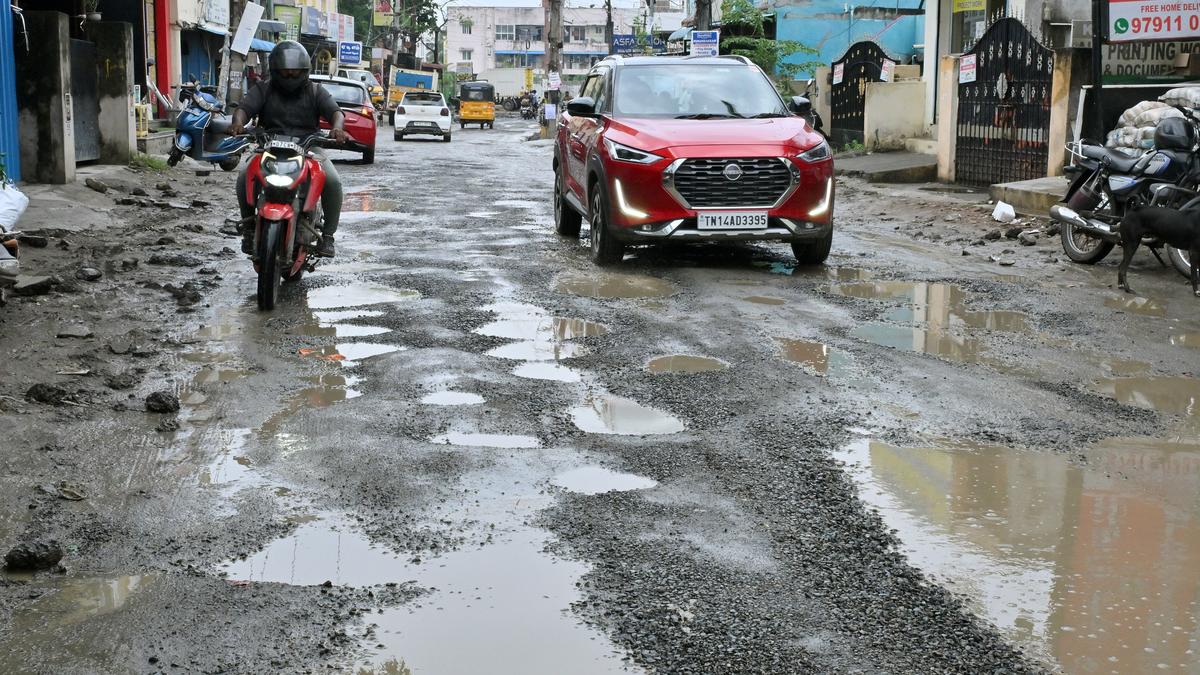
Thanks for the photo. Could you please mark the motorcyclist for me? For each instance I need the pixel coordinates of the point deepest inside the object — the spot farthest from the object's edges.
(289, 103)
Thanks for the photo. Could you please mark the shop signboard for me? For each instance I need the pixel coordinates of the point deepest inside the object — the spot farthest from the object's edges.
(382, 15)
(349, 53)
(1146, 62)
(290, 17)
(1139, 20)
(705, 42)
(314, 22)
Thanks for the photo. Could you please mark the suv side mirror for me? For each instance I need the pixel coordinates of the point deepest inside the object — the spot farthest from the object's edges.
(583, 106)
(801, 106)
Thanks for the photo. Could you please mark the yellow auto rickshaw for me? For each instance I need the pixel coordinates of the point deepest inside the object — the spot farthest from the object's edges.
(476, 103)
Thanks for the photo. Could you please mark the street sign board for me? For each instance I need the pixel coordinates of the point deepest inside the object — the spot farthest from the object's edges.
(290, 17)
(555, 80)
(629, 43)
(1137, 20)
(349, 53)
(886, 70)
(246, 27)
(705, 42)
(839, 72)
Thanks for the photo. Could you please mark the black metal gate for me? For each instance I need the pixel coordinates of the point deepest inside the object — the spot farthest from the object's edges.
(85, 100)
(1004, 114)
(862, 63)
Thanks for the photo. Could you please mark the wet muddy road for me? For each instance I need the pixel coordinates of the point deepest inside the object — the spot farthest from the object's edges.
(461, 448)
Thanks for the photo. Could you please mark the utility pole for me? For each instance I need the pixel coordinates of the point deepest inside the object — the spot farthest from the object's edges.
(608, 24)
(554, 41)
(703, 14)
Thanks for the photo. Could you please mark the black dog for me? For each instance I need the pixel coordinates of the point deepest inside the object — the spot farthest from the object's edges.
(1180, 229)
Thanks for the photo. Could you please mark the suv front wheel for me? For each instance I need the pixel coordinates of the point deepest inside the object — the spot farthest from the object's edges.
(813, 251)
(606, 250)
(566, 219)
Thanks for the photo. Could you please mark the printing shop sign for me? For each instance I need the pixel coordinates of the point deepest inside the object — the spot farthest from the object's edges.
(1138, 20)
(1146, 62)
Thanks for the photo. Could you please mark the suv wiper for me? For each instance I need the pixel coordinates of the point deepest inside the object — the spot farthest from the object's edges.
(765, 115)
(705, 116)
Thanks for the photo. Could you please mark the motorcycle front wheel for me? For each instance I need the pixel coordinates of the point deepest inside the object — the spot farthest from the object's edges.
(1181, 261)
(1079, 246)
(269, 271)
(229, 164)
(174, 156)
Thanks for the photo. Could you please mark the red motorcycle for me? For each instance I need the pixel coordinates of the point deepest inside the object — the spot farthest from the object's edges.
(284, 183)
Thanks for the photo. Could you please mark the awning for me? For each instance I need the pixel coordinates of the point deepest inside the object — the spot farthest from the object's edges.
(531, 52)
(257, 45)
(215, 30)
(680, 34)
(272, 26)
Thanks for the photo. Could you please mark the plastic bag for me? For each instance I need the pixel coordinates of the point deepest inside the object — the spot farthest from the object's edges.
(1151, 117)
(13, 203)
(1004, 213)
(1129, 117)
(1188, 97)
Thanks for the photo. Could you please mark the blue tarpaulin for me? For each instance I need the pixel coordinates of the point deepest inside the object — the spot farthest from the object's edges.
(261, 45)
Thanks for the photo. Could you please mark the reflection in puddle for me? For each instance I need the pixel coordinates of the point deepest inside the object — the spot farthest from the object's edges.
(207, 357)
(764, 300)
(214, 375)
(345, 315)
(76, 599)
(594, 480)
(1187, 340)
(452, 398)
(230, 469)
(325, 391)
(940, 306)
(538, 351)
(317, 552)
(1178, 395)
(542, 328)
(339, 330)
(487, 440)
(482, 214)
(607, 414)
(354, 295)
(1136, 305)
(542, 370)
(613, 285)
(926, 341)
(682, 363)
(365, 201)
(814, 355)
(1091, 568)
(1124, 367)
(357, 267)
(350, 353)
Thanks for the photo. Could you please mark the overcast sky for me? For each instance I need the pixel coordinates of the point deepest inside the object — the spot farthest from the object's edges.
(537, 3)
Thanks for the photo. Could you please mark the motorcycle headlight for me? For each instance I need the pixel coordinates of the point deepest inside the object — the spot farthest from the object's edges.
(817, 153)
(625, 153)
(277, 180)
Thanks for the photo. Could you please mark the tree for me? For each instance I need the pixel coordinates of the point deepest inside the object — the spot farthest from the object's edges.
(745, 35)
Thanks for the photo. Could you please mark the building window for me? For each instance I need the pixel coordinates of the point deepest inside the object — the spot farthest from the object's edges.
(466, 27)
(504, 32)
(575, 33)
(531, 33)
(465, 54)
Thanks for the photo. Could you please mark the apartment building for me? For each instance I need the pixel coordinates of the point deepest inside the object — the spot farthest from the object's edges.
(514, 37)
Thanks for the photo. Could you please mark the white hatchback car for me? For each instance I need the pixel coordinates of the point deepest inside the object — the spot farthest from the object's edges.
(422, 112)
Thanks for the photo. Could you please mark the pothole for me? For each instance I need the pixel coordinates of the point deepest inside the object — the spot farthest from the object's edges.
(1137, 305)
(608, 414)
(765, 300)
(450, 398)
(507, 441)
(594, 480)
(353, 295)
(538, 351)
(684, 363)
(542, 328)
(1186, 340)
(614, 286)
(336, 330)
(1175, 394)
(542, 370)
(327, 549)
(815, 356)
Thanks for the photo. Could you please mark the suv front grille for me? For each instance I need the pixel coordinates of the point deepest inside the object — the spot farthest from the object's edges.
(702, 182)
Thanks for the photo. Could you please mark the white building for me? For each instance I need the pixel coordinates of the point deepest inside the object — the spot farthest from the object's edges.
(491, 37)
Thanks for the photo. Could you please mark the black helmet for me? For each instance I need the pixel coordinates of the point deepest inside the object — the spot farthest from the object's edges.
(289, 55)
(1174, 133)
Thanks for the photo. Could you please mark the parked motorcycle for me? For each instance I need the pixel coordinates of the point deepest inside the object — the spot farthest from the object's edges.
(1106, 184)
(202, 130)
(284, 184)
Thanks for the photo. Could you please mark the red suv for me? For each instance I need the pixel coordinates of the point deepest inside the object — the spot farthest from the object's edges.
(660, 149)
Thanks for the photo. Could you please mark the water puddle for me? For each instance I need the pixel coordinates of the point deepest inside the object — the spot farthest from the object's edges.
(815, 356)
(608, 286)
(339, 330)
(214, 375)
(356, 267)
(354, 295)
(319, 551)
(608, 414)
(74, 600)
(683, 363)
(1178, 395)
(452, 398)
(1124, 367)
(506, 441)
(365, 201)
(939, 306)
(483, 214)
(538, 351)
(765, 300)
(594, 480)
(922, 340)
(325, 390)
(350, 353)
(519, 204)
(1186, 340)
(1089, 568)
(542, 328)
(1136, 305)
(207, 357)
(345, 315)
(542, 370)
(230, 468)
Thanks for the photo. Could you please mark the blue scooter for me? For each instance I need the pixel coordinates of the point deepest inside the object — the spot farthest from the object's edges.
(202, 130)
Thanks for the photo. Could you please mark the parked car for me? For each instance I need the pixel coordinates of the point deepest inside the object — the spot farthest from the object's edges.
(368, 78)
(665, 149)
(422, 112)
(355, 101)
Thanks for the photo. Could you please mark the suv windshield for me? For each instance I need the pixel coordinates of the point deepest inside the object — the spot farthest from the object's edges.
(422, 99)
(695, 91)
(366, 76)
(346, 94)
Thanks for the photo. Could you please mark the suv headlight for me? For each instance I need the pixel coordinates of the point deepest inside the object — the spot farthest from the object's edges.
(816, 153)
(625, 153)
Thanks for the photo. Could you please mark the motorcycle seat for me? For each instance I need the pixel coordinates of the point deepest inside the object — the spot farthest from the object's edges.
(1117, 161)
(220, 124)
